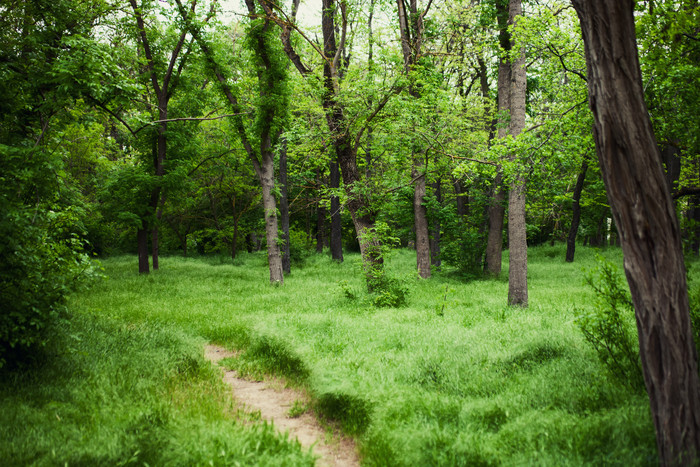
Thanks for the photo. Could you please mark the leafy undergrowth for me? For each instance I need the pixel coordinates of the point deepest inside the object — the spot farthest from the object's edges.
(107, 392)
(455, 377)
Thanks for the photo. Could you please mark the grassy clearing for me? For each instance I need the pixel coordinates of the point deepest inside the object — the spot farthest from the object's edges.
(110, 392)
(454, 378)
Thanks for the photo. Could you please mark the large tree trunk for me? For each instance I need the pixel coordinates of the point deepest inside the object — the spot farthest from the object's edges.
(646, 220)
(576, 213)
(336, 220)
(284, 210)
(517, 232)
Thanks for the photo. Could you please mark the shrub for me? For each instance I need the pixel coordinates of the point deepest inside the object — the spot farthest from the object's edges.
(610, 325)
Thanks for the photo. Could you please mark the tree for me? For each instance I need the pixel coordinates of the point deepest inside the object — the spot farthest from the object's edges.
(412, 30)
(269, 116)
(345, 132)
(647, 223)
(163, 90)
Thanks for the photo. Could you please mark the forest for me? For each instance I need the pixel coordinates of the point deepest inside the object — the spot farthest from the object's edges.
(467, 231)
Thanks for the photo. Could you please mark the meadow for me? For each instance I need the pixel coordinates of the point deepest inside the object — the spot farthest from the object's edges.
(455, 377)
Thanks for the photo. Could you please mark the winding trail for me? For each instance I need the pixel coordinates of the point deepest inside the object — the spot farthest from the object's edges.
(273, 400)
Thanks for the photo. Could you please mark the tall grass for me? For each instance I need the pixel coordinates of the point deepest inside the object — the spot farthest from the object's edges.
(454, 378)
(113, 392)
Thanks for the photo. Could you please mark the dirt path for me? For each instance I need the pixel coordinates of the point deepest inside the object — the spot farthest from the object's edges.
(274, 401)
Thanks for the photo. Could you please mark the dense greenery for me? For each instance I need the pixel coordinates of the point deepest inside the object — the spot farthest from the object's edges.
(159, 128)
(453, 378)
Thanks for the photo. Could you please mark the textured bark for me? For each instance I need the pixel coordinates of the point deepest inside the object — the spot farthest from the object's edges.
(645, 218)
(284, 210)
(517, 231)
(336, 243)
(576, 213)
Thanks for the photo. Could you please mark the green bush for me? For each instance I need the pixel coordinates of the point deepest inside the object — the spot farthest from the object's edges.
(42, 257)
(610, 325)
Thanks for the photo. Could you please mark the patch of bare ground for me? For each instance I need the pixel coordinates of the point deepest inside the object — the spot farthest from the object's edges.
(274, 400)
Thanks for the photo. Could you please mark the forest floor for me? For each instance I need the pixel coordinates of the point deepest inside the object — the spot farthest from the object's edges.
(275, 403)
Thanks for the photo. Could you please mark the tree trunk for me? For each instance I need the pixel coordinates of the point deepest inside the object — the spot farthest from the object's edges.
(576, 214)
(336, 220)
(421, 220)
(142, 242)
(284, 209)
(517, 231)
(646, 220)
(267, 181)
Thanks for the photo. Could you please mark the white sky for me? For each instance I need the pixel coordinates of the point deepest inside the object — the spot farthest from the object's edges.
(308, 15)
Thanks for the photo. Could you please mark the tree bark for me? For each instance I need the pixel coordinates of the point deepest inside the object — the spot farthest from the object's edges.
(576, 213)
(646, 220)
(517, 227)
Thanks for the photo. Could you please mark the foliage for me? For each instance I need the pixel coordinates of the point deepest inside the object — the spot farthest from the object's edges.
(610, 326)
(385, 290)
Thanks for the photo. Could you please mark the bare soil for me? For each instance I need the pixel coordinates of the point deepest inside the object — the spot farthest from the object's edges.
(273, 400)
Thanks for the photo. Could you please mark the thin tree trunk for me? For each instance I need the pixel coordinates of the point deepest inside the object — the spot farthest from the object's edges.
(576, 213)
(646, 220)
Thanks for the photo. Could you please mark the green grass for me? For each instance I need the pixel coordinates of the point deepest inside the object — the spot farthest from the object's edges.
(454, 378)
